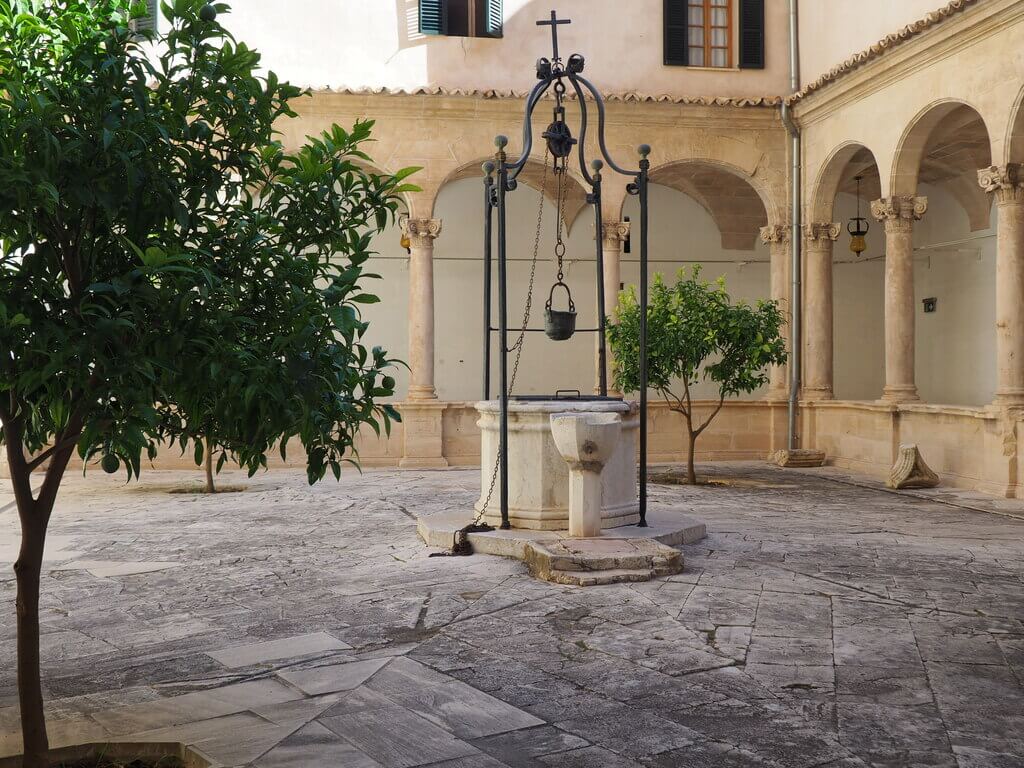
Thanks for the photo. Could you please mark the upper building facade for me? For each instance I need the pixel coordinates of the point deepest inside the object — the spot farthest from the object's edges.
(736, 49)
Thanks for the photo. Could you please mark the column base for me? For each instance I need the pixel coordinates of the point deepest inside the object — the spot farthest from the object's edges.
(418, 392)
(1009, 398)
(813, 394)
(900, 394)
(423, 434)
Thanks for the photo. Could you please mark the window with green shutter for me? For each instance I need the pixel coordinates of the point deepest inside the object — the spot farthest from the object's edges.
(752, 34)
(700, 33)
(461, 18)
(676, 31)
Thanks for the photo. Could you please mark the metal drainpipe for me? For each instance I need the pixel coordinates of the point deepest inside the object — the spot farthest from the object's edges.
(795, 302)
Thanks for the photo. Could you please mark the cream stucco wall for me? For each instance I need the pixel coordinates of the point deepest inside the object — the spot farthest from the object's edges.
(833, 30)
(955, 346)
(682, 232)
(350, 44)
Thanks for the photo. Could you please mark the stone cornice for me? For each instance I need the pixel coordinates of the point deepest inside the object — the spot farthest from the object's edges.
(625, 97)
(886, 43)
(914, 53)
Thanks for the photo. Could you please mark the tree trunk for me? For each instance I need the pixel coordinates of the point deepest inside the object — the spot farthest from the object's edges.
(34, 516)
(30, 691)
(691, 472)
(210, 487)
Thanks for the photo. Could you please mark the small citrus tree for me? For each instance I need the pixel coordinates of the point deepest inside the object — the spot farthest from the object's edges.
(695, 332)
(168, 271)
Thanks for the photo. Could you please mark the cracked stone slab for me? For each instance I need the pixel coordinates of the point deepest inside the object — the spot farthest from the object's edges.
(274, 650)
(102, 569)
(922, 593)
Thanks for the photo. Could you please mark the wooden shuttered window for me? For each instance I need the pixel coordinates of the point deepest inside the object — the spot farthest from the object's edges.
(700, 33)
(751, 34)
(676, 30)
(432, 17)
(461, 18)
(493, 18)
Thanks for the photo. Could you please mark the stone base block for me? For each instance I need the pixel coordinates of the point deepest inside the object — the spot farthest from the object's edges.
(797, 457)
(910, 471)
(590, 561)
(666, 529)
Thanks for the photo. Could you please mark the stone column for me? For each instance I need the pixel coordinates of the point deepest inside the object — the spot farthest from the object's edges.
(613, 235)
(421, 234)
(1005, 183)
(818, 365)
(898, 214)
(778, 240)
(422, 413)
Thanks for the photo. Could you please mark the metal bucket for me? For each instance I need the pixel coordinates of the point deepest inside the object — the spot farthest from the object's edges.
(559, 324)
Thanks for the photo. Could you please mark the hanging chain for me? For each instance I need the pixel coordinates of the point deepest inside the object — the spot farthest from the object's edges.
(560, 215)
(518, 345)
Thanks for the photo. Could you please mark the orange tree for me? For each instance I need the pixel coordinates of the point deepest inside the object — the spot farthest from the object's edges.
(168, 271)
(695, 332)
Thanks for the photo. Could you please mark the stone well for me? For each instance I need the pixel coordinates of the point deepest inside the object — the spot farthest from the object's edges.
(538, 477)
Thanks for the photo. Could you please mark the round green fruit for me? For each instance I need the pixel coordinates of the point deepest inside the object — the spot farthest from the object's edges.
(207, 13)
(110, 463)
(388, 382)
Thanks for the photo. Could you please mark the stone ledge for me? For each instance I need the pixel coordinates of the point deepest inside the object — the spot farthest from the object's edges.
(626, 553)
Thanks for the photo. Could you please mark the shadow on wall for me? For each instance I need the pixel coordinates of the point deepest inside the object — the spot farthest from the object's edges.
(407, 16)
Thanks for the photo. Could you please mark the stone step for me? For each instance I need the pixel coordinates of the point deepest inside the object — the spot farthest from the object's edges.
(601, 560)
(597, 578)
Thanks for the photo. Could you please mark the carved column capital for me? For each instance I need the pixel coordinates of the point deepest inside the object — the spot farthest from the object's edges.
(1003, 181)
(421, 232)
(899, 212)
(776, 233)
(821, 233)
(614, 234)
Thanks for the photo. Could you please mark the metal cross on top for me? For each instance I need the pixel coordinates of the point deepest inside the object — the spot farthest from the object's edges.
(553, 23)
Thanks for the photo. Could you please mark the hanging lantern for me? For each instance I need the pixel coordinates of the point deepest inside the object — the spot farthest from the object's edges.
(858, 227)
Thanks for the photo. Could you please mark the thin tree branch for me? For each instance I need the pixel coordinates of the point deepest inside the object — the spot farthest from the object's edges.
(63, 441)
(721, 402)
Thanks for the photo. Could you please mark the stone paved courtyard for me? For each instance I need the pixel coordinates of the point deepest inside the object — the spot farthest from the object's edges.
(821, 623)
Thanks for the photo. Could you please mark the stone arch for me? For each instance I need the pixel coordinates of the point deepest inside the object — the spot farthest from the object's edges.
(844, 163)
(532, 176)
(738, 202)
(920, 133)
(1015, 132)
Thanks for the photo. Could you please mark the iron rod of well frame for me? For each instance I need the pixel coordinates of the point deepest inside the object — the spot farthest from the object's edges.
(503, 336)
(601, 340)
(645, 165)
(488, 217)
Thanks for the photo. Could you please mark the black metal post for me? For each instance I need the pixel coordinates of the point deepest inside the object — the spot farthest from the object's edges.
(503, 328)
(645, 166)
(488, 216)
(598, 226)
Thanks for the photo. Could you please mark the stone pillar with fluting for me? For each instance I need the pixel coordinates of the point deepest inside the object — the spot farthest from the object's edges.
(1005, 183)
(818, 323)
(421, 234)
(613, 235)
(898, 214)
(777, 238)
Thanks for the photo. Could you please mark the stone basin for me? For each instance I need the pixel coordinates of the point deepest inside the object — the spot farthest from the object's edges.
(538, 475)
